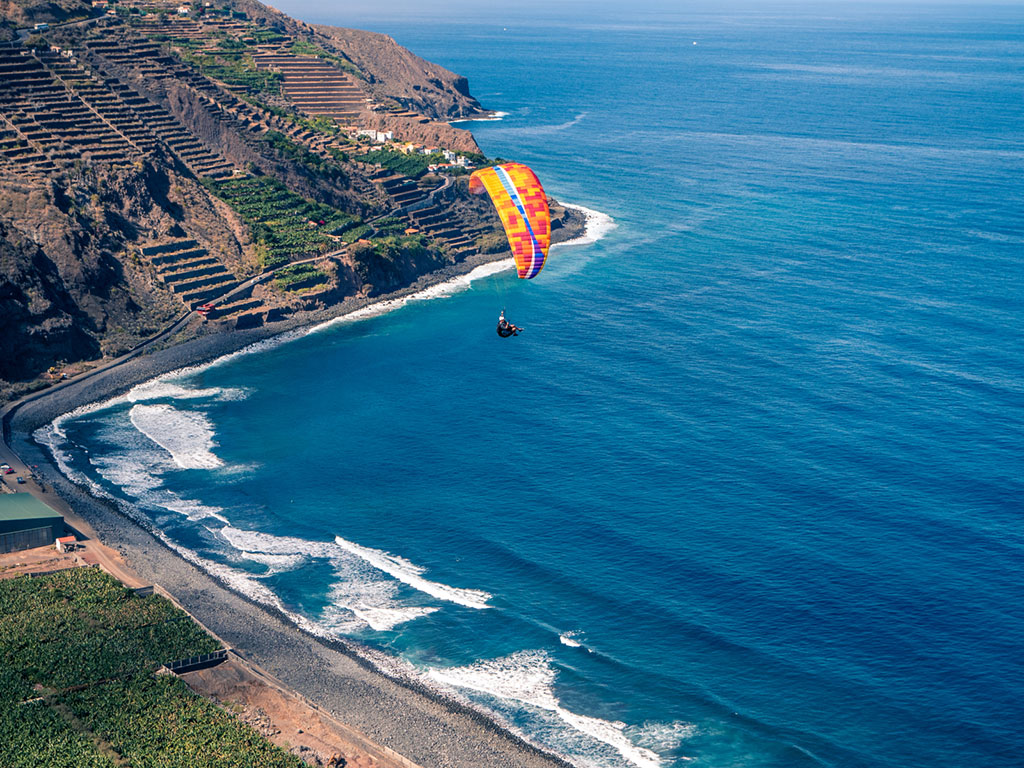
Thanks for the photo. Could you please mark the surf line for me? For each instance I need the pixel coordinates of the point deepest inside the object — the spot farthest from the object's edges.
(411, 574)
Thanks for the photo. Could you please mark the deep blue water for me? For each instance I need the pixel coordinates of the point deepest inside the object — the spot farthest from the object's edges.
(759, 450)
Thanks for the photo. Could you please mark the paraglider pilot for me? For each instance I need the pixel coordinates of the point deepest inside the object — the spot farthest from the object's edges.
(505, 328)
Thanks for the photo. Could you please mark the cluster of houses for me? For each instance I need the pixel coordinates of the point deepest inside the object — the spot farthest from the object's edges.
(452, 159)
(110, 6)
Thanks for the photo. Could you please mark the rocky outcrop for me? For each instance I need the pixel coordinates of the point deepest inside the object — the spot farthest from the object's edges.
(431, 133)
(39, 320)
(26, 12)
(387, 265)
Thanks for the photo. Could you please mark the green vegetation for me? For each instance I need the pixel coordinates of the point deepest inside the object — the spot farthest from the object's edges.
(81, 626)
(159, 723)
(35, 734)
(356, 233)
(399, 162)
(262, 35)
(235, 68)
(306, 48)
(280, 220)
(340, 155)
(381, 256)
(298, 277)
(76, 689)
(391, 226)
(304, 156)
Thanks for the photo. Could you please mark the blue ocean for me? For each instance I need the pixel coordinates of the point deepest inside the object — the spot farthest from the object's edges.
(747, 491)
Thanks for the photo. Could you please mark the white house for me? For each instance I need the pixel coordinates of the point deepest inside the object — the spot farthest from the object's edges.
(378, 137)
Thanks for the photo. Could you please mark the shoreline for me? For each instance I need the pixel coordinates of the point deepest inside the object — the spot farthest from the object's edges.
(491, 117)
(430, 726)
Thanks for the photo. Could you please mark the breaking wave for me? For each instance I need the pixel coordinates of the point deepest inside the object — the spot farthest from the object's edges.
(164, 388)
(528, 678)
(412, 574)
(186, 435)
(598, 225)
(358, 597)
(570, 639)
(135, 467)
(491, 118)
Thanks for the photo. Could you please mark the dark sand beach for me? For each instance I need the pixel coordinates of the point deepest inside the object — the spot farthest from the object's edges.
(420, 724)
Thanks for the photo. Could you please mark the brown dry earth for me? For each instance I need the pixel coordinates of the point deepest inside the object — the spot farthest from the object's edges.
(288, 720)
(39, 560)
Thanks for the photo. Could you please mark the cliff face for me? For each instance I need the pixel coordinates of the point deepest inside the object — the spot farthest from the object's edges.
(72, 286)
(394, 72)
(40, 322)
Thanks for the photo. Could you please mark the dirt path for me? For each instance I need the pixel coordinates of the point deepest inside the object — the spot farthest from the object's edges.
(287, 719)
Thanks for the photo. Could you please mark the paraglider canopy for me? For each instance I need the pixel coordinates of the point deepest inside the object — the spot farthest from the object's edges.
(523, 208)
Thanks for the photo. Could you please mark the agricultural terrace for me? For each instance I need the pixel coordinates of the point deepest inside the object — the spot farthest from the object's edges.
(283, 224)
(303, 155)
(77, 653)
(298, 277)
(413, 166)
(306, 48)
(218, 53)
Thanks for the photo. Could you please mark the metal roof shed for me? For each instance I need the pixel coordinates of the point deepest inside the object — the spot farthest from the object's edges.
(26, 522)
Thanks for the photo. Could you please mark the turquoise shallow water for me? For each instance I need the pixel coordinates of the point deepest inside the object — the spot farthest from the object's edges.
(747, 490)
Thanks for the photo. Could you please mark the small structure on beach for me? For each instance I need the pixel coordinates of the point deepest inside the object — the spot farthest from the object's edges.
(26, 523)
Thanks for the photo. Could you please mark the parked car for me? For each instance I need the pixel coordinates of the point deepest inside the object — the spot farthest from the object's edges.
(21, 480)
(8, 471)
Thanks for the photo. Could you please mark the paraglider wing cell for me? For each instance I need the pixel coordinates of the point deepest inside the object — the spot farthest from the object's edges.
(523, 208)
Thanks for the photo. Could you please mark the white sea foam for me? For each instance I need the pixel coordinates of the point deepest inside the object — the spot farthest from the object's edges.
(528, 677)
(268, 544)
(570, 639)
(135, 467)
(541, 130)
(132, 472)
(186, 435)
(275, 563)
(598, 225)
(412, 574)
(662, 738)
(491, 118)
(360, 596)
(163, 388)
(384, 619)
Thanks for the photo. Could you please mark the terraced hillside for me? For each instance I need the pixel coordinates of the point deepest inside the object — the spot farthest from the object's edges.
(316, 87)
(153, 164)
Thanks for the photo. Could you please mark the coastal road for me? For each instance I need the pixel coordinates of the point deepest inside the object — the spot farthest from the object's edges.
(84, 532)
